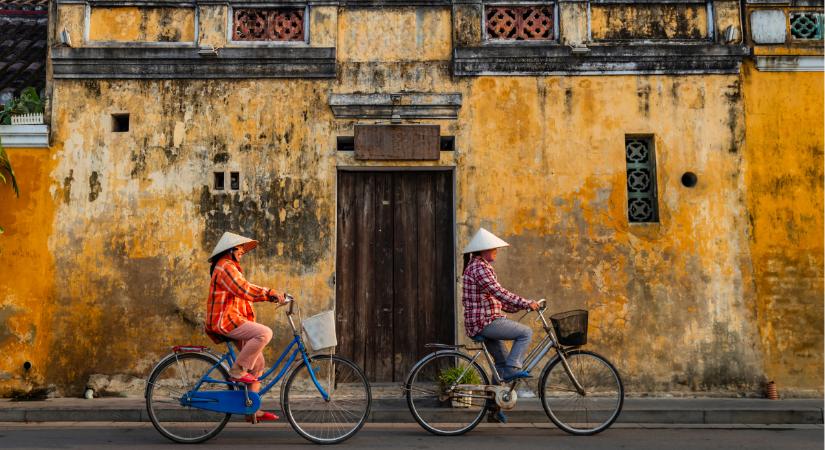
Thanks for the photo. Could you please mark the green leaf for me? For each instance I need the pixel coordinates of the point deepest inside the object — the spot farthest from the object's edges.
(5, 165)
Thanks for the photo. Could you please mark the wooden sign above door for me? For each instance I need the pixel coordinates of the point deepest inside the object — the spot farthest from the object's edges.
(397, 142)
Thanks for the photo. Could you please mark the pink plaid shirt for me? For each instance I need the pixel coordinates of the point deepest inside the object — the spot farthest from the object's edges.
(484, 299)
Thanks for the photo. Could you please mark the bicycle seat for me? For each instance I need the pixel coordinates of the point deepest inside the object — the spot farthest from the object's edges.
(478, 338)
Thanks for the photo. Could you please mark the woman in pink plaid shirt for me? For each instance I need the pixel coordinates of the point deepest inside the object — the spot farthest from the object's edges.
(484, 300)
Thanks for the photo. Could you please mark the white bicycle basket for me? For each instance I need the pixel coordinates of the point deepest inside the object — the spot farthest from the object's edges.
(320, 330)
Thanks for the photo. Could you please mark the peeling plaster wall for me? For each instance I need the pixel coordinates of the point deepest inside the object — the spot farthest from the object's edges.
(137, 218)
(671, 302)
(141, 24)
(539, 161)
(785, 192)
(657, 21)
(28, 274)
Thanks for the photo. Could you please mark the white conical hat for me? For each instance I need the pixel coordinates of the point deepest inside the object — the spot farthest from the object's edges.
(229, 240)
(484, 240)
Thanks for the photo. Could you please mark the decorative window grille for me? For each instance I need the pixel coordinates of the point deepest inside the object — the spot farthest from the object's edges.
(519, 23)
(642, 202)
(256, 24)
(806, 25)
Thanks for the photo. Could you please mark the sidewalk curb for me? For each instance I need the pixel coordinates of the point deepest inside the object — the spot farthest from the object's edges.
(394, 410)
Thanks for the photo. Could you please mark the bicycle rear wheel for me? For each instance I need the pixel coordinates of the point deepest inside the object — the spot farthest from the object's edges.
(582, 414)
(327, 421)
(441, 412)
(168, 382)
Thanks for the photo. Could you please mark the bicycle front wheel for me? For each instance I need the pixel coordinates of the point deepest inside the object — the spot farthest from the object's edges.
(434, 407)
(173, 377)
(573, 412)
(327, 421)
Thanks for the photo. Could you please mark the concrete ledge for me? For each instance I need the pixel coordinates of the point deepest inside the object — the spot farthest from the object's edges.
(602, 59)
(185, 62)
(407, 105)
(788, 63)
(24, 136)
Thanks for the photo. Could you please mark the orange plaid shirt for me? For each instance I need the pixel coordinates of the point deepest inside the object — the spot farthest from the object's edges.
(230, 299)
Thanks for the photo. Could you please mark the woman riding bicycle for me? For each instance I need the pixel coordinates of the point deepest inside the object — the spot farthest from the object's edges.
(484, 300)
(229, 312)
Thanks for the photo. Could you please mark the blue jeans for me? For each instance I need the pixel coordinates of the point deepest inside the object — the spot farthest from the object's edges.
(506, 329)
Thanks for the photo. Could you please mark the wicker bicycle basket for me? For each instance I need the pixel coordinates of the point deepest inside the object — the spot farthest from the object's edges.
(571, 327)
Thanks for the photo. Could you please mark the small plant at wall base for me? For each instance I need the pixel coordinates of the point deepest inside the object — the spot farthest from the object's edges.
(7, 173)
(28, 103)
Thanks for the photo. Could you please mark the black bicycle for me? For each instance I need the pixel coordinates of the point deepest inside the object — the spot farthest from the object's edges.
(448, 392)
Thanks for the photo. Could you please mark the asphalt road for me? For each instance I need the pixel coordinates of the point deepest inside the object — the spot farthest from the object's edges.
(378, 436)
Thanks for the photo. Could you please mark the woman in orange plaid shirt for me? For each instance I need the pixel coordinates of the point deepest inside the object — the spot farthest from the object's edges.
(229, 312)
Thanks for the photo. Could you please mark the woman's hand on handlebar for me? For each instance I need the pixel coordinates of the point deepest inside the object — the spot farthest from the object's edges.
(275, 297)
(535, 306)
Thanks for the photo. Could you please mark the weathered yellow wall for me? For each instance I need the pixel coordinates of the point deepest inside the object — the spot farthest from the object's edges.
(539, 161)
(142, 24)
(669, 302)
(622, 21)
(783, 113)
(28, 275)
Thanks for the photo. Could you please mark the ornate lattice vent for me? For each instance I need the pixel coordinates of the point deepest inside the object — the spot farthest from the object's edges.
(806, 25)
(257, 24)
(524, 23)
(642, 204)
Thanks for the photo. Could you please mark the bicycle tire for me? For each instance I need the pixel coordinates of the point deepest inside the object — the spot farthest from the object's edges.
(163, 418)
(348, 391)
(413, 379)
(607, 382)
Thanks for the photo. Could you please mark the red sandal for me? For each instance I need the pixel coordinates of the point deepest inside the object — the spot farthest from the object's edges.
(247, 378)
(264, 417)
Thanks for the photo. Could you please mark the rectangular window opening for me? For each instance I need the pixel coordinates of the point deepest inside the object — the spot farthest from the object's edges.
(520, 22)
(447, 143)
(806, 25)
(345, 143)
(219, 181)
(642, 198)
(120, 123)
(234, 181)
(268, 24)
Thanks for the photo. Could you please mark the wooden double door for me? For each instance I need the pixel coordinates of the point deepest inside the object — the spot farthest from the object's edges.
(394, 268)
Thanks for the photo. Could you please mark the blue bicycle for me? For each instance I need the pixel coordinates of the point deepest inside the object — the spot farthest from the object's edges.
(190, 399)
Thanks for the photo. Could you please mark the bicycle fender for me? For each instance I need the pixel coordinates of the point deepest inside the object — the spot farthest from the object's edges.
(232, 402)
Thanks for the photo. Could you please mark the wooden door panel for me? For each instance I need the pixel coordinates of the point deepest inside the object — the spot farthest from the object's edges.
(364, 277)
(395, 285)
(405, 260)
(384, 285)
(345, 265)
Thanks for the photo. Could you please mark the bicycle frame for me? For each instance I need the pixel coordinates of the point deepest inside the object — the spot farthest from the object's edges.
(533, 358)
(229, 357)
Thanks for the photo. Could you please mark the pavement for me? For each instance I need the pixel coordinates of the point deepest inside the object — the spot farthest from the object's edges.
(140, 436)
(641, 411)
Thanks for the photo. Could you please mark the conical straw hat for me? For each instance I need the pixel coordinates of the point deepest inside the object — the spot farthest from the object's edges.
(229, 240)
(484, 240)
